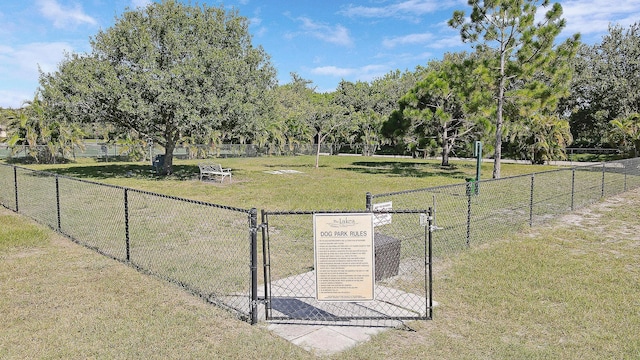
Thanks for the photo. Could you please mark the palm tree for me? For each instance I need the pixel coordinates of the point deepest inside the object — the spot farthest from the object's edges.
(629, 129)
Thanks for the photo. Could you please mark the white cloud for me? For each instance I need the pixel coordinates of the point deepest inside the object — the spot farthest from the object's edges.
(363, 73)
(410, 39)
(140, 3)
(15, 98)
(397, 9)
(19, 69)
(338, 34)
(592, 17)
(25, 59)
(332, 71)
(63, 17)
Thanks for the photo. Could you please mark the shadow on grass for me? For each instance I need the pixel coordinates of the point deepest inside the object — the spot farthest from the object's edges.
(138, 171)
(406, 169)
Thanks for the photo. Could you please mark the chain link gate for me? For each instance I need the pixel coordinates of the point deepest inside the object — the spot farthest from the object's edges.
(402, 287)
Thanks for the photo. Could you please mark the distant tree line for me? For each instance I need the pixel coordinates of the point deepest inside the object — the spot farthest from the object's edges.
(181, 75)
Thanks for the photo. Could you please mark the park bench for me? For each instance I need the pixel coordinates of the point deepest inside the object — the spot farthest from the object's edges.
(209, 170)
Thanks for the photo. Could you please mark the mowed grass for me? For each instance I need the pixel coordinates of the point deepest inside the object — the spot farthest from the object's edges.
(340, 182)
(569, 290)
(60, 300)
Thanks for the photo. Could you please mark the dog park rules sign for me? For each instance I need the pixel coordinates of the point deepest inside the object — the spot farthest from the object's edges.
(344, 256)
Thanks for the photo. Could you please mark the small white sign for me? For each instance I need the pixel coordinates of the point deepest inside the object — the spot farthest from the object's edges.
(382, 219)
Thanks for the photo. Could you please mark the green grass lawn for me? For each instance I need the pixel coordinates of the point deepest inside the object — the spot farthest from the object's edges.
(340, 182)
(569, 290)
(531, 294)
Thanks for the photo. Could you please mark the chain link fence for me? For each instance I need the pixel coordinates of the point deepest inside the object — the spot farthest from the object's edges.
(118, 152)
(477, 212)
(205, 248)
(212, 250)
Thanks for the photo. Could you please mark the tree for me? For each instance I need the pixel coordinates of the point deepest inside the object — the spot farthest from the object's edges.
(522, 49)
(540, 138)
(289, 127)
(168, 71)
(357, 100)
(44, 137)
(327, 119)
(627, 131)
(443, 108)
(605, 85)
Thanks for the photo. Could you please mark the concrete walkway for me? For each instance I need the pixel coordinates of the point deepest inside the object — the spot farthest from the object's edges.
(324, 332)
(325, 340)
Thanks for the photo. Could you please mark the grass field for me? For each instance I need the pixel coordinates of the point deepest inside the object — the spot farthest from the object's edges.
(340, 182)
(569, 290)
(531, 295)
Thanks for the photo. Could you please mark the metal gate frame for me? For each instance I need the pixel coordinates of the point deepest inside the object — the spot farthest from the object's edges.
(300, 305)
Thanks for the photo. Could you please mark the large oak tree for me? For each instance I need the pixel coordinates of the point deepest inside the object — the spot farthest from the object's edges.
(168, 71)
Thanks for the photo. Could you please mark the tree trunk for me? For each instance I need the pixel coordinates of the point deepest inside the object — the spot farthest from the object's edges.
(167, 166)
(497, 155)
(318, 151)
(446, 148)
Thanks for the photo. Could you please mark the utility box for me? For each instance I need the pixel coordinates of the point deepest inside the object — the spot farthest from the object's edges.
(387, 256)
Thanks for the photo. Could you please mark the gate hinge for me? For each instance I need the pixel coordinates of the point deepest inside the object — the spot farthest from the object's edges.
(258, 227)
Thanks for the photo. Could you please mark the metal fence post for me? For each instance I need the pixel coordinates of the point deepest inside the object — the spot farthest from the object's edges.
(428, 256)
(58, 201)
(602, 193)
(266, 264)
(253, 231)
(126, 224)
(469, 213)
(531, 202)
(15, 185)
(368, 201)
(573, 187)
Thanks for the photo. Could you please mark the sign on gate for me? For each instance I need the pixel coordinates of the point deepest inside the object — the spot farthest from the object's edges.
(344, 256)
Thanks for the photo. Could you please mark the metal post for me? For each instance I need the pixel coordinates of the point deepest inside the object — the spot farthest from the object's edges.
(573, 187)
(531, 202)
(254, 265)
(15, 185)
(266, 264)
(602, 193)
(469, 184)
(369, 200)
(58, 201)
(428, 277)
(478, 153)
(126, 224)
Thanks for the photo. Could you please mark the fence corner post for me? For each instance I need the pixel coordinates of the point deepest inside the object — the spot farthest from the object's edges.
(253, 230)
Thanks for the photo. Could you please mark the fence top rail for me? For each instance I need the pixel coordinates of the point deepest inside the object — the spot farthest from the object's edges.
(445, 187)
(198, 202)
(312, 212)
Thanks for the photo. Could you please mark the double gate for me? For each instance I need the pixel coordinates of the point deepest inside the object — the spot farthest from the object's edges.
(402, 267)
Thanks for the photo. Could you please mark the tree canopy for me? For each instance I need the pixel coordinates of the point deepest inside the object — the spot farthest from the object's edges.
(168, 71)
(179, 75)
(523, 51)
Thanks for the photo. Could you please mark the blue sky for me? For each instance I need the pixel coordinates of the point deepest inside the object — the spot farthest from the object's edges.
(323, 41)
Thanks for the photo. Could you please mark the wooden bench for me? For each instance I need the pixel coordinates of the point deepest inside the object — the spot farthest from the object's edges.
(209, 170)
